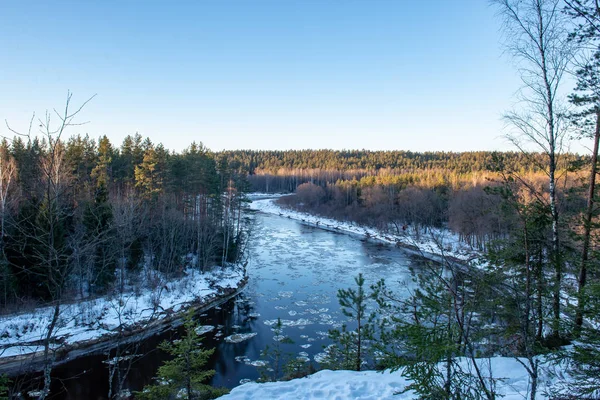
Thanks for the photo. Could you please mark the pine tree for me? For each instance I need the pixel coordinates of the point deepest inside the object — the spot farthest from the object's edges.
(426, 334)
(102, 171)
(185, 375)
(4, 381)
(586, 97)
(583, 363)
(348, 351)
(98, 222)
(274, 355)
(149, 175)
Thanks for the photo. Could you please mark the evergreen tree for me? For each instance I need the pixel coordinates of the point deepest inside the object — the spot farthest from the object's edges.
(102, 171)
(583, 362)
(98, 222)
(149, 174)
(4, 381)
(586, 97)
(185, 375)
(348, 351)
(428, 334)
(274, 355)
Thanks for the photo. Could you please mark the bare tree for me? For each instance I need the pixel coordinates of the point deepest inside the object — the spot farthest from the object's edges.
(537, 37)
(51, 251)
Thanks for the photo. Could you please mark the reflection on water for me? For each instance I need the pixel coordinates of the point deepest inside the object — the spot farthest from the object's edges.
(295, 271)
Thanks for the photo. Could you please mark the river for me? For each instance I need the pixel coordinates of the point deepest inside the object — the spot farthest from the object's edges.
(295, 271)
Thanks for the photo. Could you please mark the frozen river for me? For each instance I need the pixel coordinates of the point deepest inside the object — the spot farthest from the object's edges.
(295, 271)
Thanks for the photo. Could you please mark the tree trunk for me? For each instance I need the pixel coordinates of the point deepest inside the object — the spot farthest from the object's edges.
(358, 355)
(47, 361)
(540, 291)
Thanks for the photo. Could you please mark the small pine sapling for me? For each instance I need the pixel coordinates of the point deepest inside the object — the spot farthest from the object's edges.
(348, 350)
(184, 376)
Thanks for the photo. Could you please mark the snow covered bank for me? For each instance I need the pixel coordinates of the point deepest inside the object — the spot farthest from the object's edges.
(86, 324)
(513, 385)
(259, 196)
(439, 242)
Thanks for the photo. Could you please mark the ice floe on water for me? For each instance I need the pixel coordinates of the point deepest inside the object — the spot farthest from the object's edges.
(292, 313)
(314, 311)
(279, 338)
(326, 319)
(305, 346)
(301, 303)
(256, 363)
(281, 307)
(318, 298)
(254, 315)
(322, 356)
(285, 294)
(245, 380)
(303, 358)
(286, 322)
(259, 363)
(239, 337)
(202, 329)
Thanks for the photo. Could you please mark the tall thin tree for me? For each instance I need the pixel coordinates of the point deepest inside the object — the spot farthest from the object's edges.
(586, 13)
(537, 37)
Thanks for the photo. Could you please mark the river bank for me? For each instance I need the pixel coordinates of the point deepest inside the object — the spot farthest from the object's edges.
(91, 326)
(435, 244)
(512, 384)
(513, 378)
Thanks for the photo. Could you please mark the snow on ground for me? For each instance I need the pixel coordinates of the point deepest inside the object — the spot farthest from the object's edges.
(326, 384)
(22, 333)
(438, 242)
(258, 195)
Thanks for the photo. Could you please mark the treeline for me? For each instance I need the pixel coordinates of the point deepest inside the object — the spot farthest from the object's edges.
(80, 217)
(271, 161)
(284, 171)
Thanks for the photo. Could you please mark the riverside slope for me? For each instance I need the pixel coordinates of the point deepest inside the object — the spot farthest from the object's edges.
(90, 326)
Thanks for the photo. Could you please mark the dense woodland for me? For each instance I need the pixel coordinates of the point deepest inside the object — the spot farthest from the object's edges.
(283, 171)
(81, 217)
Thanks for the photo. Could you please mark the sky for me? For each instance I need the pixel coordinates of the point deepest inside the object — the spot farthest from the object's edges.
(259, 74)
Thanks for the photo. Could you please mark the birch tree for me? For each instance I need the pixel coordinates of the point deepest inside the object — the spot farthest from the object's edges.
(537, 37)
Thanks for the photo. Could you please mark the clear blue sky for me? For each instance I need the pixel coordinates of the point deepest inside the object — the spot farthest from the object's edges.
(280, 74)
